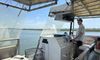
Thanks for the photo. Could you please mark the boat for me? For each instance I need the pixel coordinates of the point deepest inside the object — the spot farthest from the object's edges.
(59, 46)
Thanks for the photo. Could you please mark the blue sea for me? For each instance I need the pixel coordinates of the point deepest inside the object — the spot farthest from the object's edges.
(29, 38)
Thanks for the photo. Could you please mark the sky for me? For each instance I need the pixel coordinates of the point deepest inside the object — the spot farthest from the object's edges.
(37, 19)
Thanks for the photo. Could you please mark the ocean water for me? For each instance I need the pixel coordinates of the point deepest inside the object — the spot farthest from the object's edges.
(29, 38)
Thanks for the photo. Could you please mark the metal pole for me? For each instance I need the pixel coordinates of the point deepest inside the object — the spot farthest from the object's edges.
(73, 26)
(21, 10)
(34, 58)
(70, 28)
(18, 46)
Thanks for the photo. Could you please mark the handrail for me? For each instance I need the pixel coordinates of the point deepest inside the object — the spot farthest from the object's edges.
(13, 39)
(10, 39)
(7, 47)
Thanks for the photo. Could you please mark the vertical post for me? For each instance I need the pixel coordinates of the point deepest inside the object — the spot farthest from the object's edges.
(30, 5)
(70, 28)
(73, 27)
(29, 8)
(18, 46)
(21, 10)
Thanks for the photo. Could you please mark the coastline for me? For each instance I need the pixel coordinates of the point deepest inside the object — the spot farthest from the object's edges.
(87, 30)
(40, 29)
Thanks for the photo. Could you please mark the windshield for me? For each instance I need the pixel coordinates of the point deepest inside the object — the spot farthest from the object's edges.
(55, 27)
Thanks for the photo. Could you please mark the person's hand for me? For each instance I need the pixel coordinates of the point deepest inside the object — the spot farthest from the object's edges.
(72, 40)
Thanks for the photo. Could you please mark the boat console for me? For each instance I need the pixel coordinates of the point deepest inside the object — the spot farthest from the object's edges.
(58, 48)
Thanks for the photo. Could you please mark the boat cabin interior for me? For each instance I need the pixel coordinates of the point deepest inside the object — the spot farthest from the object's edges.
(56, 46)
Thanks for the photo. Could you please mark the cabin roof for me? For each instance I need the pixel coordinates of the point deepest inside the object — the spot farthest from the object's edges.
(28, 5)
(86, 7)
(78, 8)
(32, 2)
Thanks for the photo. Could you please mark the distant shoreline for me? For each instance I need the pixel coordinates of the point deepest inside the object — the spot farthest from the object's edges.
(87, 30)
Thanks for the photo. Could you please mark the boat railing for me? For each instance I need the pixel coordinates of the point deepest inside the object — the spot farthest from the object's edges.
(9, 48)
(85, 54)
